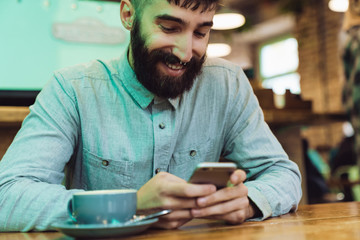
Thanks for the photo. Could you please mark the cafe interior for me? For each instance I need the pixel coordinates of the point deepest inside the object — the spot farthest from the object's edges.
(290, 50)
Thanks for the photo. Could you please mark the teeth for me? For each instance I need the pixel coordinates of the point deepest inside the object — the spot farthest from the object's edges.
(174, 67)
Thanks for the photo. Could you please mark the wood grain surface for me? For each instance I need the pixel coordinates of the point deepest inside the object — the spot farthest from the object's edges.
(340, 221)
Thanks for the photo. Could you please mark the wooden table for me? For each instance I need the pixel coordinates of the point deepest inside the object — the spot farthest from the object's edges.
(340, 221)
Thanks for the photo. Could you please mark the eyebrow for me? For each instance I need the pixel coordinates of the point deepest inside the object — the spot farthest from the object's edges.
(167, 17)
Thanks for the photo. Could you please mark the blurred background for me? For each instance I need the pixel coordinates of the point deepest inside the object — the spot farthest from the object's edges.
(290, 50)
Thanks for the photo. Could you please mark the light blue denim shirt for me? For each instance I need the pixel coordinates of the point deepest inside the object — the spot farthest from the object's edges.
(94, 126)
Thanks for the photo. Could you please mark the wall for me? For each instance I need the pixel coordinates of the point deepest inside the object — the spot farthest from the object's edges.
(30, 52)
(318, 31)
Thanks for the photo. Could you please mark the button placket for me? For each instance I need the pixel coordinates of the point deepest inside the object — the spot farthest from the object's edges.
(163, 131)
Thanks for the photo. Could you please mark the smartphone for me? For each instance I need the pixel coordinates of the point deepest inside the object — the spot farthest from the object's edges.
(217, 173)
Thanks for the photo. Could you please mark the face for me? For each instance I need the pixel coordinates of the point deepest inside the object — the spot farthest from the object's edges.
(168, 46)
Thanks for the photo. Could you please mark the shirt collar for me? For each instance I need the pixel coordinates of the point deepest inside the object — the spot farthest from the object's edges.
(174, 102)
(139, 93)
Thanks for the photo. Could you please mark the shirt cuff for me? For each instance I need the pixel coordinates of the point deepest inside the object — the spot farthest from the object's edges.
(260, 201)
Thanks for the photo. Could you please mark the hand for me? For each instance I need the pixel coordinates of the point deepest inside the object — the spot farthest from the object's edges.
(166, 191)
(230, 204)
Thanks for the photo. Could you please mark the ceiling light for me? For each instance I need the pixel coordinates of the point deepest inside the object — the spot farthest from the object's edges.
(218, 50)
(224, 21)
(339, 5)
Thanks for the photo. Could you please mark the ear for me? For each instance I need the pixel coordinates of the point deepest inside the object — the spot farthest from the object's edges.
(127, 14)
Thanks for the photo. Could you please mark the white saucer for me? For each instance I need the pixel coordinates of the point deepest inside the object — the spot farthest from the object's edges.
(102, 230)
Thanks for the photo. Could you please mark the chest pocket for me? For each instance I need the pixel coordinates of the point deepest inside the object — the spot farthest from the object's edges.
(100, 173)
(184, 161)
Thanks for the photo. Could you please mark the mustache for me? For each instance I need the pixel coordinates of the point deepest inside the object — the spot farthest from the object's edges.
(167, 57)
(172, 59)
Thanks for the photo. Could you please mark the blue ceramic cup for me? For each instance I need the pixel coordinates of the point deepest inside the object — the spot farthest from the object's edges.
(103, 206)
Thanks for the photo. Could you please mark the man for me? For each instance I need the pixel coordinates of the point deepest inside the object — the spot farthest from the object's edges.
(144, 121)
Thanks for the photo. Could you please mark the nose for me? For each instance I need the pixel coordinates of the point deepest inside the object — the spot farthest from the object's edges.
(183, 48)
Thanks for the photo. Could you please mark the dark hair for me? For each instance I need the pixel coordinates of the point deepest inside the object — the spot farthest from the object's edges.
(195, 4)
(207, 5)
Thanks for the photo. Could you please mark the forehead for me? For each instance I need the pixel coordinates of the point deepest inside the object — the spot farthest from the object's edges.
(160, 7)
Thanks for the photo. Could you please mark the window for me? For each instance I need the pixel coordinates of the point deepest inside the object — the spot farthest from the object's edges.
(279, 61)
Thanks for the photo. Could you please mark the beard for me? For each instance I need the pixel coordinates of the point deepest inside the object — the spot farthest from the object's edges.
(151, 78)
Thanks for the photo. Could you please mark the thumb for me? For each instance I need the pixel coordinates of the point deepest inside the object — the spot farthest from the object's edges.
(237, 177)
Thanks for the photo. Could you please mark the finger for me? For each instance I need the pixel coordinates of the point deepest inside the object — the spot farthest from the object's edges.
(223, 195)
(177, 215)
(221, 208)
(164, 201)
(235, 217)
(164, 224)
(180, 188)
(237, 177)
(188, 190)
(171, 202)
(174, 220)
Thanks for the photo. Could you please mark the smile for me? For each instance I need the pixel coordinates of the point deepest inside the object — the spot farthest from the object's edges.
(171, 69)
(174, 66)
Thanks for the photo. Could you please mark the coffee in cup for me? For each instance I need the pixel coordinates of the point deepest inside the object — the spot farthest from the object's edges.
(103, 206)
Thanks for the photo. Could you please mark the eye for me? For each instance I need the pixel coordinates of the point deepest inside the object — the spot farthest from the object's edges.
(200, 34)
(167, 29)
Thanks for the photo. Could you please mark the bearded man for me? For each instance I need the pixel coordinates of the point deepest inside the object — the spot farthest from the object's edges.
(144, 121)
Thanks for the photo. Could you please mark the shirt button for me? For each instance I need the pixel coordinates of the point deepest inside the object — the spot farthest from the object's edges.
(162, 125)
(105, 163)
(157, 170)
(193, 153)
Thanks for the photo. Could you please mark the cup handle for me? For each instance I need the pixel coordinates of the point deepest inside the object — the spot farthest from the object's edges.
(70, 211)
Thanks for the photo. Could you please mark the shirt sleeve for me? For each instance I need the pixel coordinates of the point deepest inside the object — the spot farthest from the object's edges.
(273, 181)
(32, 170)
